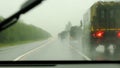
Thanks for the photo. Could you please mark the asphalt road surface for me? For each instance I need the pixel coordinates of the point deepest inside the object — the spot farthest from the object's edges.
(50, 49)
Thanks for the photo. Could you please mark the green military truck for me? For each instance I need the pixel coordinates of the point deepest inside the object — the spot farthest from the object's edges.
(101, 26)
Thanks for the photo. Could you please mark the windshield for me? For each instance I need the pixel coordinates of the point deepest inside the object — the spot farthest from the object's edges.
(61, 30)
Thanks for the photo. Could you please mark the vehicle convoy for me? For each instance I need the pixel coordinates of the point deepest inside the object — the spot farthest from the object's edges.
(75, 33)
(101, 26)
(62, 35)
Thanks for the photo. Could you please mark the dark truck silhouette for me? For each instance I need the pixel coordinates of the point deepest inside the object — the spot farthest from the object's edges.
(101, 26)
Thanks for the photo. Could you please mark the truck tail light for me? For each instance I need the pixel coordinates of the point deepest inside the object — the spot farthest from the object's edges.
(98, 34)
(118, 34)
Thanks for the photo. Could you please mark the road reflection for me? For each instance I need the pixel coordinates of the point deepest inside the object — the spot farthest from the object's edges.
(101, 53)
(105, 54)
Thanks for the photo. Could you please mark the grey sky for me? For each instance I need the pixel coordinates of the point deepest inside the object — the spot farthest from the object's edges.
(51, 15)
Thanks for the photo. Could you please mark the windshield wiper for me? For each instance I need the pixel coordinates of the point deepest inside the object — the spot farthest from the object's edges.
(14, 18)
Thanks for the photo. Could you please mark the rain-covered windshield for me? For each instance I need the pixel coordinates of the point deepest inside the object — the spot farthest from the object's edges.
(62, 30)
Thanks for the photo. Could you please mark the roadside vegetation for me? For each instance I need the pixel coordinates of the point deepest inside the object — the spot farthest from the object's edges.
(21, 33)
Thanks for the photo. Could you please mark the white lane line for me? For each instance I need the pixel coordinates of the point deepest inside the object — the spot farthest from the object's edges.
(87, 58)
(20, 57)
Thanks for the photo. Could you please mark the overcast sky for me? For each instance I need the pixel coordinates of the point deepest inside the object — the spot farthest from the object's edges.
(51, 15)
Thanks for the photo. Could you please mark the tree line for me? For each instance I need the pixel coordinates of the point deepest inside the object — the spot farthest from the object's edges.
(22, 32)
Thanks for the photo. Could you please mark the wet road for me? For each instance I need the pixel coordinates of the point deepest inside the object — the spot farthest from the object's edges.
(10, 53)
(51, 49)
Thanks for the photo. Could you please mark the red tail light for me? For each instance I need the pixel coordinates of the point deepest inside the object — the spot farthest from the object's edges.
(98, 34)
(118, 34)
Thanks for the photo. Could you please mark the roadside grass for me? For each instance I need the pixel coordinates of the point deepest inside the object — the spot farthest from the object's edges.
(18, 43)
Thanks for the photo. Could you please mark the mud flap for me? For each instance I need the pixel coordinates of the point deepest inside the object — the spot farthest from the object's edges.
(100, 49)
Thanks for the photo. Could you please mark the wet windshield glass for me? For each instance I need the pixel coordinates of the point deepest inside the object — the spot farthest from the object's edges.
(62, 30)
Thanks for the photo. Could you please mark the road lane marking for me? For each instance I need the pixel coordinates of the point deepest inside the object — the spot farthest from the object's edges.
(87, 58)
(23, 55)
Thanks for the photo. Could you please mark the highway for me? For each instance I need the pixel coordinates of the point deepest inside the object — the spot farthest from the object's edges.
(50, 49)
